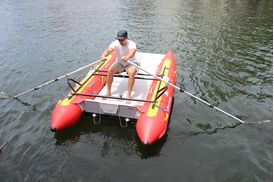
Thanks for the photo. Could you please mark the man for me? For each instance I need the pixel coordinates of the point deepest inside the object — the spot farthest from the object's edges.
(125, 50)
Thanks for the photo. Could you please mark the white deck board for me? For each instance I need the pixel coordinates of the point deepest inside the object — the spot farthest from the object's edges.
(149, 62)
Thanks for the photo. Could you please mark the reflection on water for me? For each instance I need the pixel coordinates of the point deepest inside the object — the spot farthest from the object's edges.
(109, 135)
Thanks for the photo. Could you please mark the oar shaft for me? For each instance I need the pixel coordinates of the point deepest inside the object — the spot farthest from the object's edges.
(210, 105)
(159, 78)
(197, 98)
(54, 80)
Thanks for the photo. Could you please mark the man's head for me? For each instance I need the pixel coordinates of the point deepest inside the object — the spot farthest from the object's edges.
(122, 36)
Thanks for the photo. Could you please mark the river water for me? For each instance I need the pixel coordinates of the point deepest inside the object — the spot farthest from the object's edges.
(224, 54)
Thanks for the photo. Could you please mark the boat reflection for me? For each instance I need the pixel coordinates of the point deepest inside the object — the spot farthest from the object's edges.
(108, 136)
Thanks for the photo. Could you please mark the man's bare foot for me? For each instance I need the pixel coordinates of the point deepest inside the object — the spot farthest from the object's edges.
(128, 101)
(107, 94)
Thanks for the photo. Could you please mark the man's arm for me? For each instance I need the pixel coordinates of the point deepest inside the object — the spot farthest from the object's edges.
(129, 55)
(107, 52)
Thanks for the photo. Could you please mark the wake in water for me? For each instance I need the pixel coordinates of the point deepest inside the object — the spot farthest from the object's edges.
(262, 124)
(4, 95)
(259, 122)
(3, 146)
(207, 128)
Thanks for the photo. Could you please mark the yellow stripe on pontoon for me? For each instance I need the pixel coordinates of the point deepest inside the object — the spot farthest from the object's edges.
(67, 101)
(166, 117)
(152, 111)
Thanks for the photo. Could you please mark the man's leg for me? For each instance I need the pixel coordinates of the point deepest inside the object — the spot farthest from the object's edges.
(114, 68)
(131, 79)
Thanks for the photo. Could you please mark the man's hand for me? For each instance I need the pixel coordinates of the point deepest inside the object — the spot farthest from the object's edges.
(124, 58)
(107, 52)
(103, 58)
(129, 55)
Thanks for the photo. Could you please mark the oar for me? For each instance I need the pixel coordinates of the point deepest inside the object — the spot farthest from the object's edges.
(54, 80)
(184, 91)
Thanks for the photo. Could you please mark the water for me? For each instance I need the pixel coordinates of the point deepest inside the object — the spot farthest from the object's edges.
(224, 56)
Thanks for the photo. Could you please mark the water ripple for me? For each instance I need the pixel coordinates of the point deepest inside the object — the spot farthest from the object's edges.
(224, 53)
